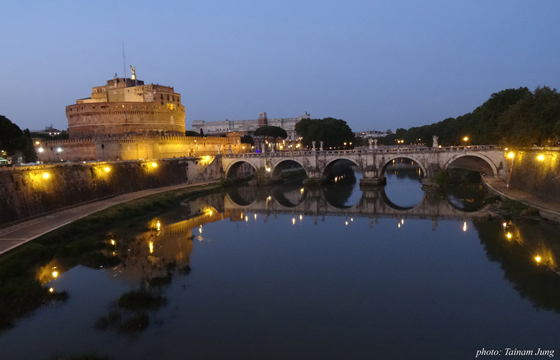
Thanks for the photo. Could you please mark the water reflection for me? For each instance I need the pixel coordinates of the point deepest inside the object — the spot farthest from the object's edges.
(404, 183)
(320, 266)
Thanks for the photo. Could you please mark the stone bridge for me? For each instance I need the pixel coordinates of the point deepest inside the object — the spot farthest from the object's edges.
(313, 202)
(372, 162)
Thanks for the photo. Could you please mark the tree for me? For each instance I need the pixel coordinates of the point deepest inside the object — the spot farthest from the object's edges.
(482, 126)
(247, 139)
(533, 120)
(12, 139)
(191, 133)
(333, 132)
(272, 131)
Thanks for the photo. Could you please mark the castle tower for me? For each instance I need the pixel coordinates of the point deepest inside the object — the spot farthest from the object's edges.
(126, 105)
(263, 119)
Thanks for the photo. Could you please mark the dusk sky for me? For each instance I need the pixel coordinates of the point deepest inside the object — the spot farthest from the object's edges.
(375, 64)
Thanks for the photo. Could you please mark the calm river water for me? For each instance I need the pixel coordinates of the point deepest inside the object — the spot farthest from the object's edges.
(295, 273)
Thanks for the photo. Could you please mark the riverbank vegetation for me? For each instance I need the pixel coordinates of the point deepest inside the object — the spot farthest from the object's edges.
(511, 117)
(25, 270)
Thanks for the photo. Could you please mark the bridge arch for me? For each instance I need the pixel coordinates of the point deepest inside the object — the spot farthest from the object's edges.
(388, 161)
(472, 154)
(331, 162)
(277, 166)
(236, 165)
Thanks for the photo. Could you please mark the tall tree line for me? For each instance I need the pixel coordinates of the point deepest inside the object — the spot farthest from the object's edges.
(511, 117)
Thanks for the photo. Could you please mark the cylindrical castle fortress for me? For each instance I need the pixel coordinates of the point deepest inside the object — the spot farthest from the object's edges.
(127, 106)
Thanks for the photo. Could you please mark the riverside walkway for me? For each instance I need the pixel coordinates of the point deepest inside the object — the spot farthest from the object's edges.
(22, 232)
(548, 210)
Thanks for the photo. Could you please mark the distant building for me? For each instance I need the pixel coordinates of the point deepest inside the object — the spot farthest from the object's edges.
(248, 127)
(371, 134)
(49, 130)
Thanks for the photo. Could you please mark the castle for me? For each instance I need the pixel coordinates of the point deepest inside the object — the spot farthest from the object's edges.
(126, 119)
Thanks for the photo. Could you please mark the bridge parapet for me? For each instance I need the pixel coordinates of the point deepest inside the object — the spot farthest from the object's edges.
(393, 150)
(371, 162)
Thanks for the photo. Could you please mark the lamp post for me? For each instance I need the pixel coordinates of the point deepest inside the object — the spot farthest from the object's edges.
(466, 139)
(511, 156)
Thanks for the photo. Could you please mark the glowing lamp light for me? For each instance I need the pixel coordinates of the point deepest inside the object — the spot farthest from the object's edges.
(55, 274)
(246, 218)
(59, 150)
(538, 259)
(151, 245)
(509, 235)
(300, 217)
(40, 149)
(158, 225)
(107, 169)
(301, 190)
(293, 221)
(540, 157)
(113, 242)
(464, 226)
(210, 212)
(399, 225)
(466, 138)
(510, 155)
(46, 175)
(154, 165)
(51, 290)
(268, 169)
(37, 143)
(402, 221)
(504, 224)
(255, 216)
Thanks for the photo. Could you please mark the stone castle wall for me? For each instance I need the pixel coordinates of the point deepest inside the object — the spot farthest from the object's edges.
(27, 191)
(122, 147)
(89, 120)
(534, 176)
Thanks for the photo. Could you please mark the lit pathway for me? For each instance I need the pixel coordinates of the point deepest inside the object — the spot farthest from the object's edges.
(23, 232)
(547, 209)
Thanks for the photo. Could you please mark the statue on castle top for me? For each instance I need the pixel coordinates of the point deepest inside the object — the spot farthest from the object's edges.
(133, 69)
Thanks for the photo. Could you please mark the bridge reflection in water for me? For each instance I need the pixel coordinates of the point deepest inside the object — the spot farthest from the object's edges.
(318, 202)
(527, 252)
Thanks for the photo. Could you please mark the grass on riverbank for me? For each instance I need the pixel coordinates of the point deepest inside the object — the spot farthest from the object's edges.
(78, 243)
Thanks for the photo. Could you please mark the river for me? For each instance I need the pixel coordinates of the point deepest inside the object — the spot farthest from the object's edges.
(288, 272)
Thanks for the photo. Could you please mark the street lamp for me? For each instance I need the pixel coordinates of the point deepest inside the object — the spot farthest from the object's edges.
(511, 156)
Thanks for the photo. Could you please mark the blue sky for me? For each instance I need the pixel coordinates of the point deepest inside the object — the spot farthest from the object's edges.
(375, 64)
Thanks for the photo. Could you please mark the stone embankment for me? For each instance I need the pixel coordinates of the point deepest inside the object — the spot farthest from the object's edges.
(26, 192)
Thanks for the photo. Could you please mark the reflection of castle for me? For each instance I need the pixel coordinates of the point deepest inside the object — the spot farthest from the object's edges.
(126, 119)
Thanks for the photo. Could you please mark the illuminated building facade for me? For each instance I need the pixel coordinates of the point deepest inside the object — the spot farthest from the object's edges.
(127, 120)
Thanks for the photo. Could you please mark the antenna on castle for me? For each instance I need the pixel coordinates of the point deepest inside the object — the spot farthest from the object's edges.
(123, 60)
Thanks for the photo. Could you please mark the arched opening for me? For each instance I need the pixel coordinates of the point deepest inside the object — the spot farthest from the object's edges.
(240, 170)
(472, 163)
(289, 195)
(465, 192)
(341, 177)
(289, 171)
(404, 183)
(242, 195)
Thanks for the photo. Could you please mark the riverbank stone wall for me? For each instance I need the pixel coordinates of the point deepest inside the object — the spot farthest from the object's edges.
(537, 172)
(29, 191)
